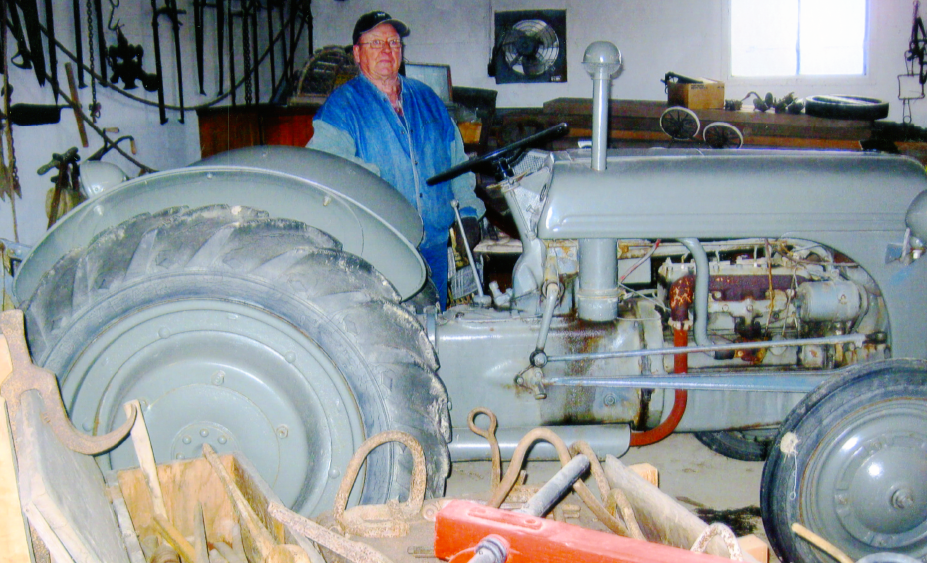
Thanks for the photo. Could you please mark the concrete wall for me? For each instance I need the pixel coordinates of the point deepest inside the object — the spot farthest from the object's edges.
(654, 36)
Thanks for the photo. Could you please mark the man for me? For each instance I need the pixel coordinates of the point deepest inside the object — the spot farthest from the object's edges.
(400, 129)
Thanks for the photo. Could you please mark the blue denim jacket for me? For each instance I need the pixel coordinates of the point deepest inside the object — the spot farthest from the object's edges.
(405, 151)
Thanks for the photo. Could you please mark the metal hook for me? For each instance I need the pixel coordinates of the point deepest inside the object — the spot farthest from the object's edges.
(112, 13)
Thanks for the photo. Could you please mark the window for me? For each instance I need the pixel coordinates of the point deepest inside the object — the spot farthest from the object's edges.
(798, 37)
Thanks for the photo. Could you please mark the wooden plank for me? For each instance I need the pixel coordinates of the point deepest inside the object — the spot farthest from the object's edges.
(648, 472)
(645, 114)
(67, 488)
(756, 547)
(14, 538)
(661, 518)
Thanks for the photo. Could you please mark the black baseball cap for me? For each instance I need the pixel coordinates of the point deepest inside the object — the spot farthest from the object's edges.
(370, 20)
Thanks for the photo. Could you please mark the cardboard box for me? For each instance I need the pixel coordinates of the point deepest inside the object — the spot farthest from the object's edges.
(705, 95)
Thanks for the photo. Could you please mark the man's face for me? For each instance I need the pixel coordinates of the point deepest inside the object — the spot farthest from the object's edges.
(379, 64)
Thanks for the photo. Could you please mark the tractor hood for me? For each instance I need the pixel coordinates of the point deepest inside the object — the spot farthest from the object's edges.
(727, 193)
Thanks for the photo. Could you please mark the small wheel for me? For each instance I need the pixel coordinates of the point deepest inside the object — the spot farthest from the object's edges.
(679, 123)
(743, 445)
(721, 135)
(849, 465)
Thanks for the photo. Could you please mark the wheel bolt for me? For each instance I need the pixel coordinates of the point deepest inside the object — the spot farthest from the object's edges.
(903, 498)
(283, 431)
(187, 439)
(204, 432)
(218, 378)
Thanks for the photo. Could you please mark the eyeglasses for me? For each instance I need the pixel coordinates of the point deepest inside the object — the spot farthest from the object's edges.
(379, 44)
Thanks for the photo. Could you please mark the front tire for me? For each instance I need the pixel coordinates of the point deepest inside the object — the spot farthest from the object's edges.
(849, 464)
(245, 332)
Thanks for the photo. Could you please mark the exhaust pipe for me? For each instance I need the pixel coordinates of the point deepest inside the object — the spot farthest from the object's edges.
(597, 294)
(601, 60)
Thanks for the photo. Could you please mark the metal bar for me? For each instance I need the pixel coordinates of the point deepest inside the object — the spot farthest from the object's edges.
(556, 488)
(604, 439)
(255, 68)
(52, 48)
(101, 39)
(78, 43)
(795, 382)
(272, 46)
(857, 339)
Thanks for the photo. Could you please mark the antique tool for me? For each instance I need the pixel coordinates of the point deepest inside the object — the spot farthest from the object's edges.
(101, 37)
(262, 541)
(349, 549)
(75, 99)
(231, 22)
(22, 48)
(462, 524)
(174, 15)
(272, 46)
(198, 38)
(158, 69)
(52, 47)
(78, 43)
(34, 34)
(220, 42)
(285, 72)
(26, 376)
(34, 114)
(253, 12)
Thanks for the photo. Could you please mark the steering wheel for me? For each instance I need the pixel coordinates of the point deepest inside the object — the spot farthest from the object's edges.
(499, 162)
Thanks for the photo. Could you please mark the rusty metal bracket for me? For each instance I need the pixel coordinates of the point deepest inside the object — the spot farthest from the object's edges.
(26, 376)
(390, 520)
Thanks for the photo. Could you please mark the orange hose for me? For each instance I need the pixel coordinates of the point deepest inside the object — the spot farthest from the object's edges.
(666, 427)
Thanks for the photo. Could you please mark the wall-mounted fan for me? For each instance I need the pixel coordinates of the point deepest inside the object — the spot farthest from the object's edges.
(530, 47)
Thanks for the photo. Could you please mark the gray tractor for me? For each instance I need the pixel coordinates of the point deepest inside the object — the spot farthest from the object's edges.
(266, 300)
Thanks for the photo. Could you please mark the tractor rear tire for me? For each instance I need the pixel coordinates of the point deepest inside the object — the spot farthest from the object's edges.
(247, 333)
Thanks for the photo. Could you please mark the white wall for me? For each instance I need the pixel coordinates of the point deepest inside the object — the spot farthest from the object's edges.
(654, 36)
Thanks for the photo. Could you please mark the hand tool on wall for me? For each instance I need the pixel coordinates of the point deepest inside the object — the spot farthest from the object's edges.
(158, 70)
(198, 6)
(285, 72)
(220, 42)
(34, 34)
(174, 15)
(253, 12)
(271, 45)
(52, 47)
(231, 22)
(101, 37)
(22, 58)
(78, 43)
(75, 99)
(26, 115)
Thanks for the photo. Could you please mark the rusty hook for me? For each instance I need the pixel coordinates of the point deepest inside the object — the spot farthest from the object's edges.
(26, 376)
(490, 435)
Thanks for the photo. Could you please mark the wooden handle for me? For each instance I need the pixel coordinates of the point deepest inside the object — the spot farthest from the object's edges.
(263, 541)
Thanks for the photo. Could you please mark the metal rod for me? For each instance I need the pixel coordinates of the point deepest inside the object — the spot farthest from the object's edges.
(466, 244)
(857, 339)
(797, 382)
(556, 488)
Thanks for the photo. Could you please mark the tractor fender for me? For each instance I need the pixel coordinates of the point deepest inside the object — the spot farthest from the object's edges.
(369, 217)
